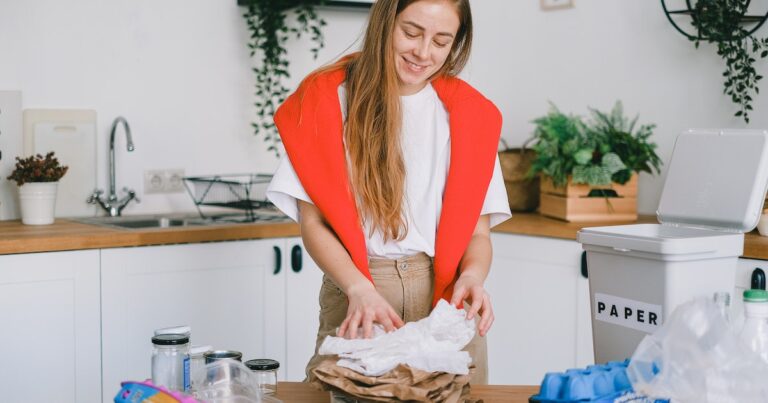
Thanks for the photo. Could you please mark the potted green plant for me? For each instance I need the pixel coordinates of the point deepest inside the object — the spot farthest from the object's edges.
(37, 178)
(269, 28)
(589, 169)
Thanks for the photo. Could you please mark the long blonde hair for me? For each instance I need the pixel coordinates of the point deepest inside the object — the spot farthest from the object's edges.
(372, 128)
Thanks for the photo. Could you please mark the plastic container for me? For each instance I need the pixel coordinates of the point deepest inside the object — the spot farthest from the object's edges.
(265, 373)
(217, 355)
(170, 361)
(755, 329)
(196, 363)
(723, 301)
(596, 383)
(638, 274)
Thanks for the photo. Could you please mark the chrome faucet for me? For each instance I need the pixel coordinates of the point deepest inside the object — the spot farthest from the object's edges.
(112, 205)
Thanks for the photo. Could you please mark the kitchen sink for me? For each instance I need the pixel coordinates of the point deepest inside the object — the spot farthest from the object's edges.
(178, 220)
(144, 222)
(162, 222)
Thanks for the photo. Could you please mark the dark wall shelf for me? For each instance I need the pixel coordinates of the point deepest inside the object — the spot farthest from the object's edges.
(329, 3)
(758, 20)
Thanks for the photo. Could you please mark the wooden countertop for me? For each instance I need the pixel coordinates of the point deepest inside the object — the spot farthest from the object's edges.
(755, 245)
(298, 392)
(70, 235)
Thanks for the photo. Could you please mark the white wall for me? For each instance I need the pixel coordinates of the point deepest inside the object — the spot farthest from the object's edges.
(179, 71)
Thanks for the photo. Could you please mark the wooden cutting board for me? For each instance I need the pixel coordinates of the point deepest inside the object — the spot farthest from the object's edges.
(10, 148)
(71, 134)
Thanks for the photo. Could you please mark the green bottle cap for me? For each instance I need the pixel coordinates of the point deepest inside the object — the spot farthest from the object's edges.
(756, 295)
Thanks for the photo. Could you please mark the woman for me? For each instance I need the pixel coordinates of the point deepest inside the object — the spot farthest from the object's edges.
(393, 176)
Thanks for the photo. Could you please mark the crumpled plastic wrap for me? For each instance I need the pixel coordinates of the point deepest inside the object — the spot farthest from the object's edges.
(696, 356)
(228, 381)
(432, 344)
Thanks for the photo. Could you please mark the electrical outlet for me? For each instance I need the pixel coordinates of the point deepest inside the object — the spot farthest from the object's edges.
(154, 182)
(174, 181)
(164, 181)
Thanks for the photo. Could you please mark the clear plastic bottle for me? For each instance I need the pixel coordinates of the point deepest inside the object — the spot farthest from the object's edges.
(170, 361)
(755, 329)
(723, 301)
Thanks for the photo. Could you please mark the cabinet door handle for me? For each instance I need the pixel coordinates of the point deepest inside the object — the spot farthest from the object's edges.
(584, 272)
(278, 259)
(296, 258)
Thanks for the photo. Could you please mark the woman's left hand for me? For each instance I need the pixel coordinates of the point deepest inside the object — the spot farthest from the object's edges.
(470, 288)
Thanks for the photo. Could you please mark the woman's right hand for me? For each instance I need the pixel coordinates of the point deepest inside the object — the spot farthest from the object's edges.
(366, 307)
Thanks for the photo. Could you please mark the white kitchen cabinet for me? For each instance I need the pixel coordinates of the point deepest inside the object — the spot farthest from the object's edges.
(49, 327)
(541, 304)
(216, 288)
(250, 296)
(294, 286)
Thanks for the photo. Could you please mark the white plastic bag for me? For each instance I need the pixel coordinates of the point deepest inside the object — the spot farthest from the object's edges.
(697, 357)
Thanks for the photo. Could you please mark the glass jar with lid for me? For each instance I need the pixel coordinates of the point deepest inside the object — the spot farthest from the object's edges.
(265, 373)
(170, 361)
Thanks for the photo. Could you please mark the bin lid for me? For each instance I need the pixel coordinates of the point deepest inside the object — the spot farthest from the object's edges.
(717, 178)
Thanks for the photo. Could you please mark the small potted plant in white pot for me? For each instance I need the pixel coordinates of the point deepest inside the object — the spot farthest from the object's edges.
(37, 178)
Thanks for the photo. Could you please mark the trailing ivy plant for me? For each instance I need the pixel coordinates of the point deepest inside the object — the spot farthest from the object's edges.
(607, 149)
(720, 22)
(267, 22)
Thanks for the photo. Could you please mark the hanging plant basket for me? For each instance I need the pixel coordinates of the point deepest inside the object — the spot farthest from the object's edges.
(268, 24)
(730, 26)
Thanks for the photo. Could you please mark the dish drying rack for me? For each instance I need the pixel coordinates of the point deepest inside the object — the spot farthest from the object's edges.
(246, 192)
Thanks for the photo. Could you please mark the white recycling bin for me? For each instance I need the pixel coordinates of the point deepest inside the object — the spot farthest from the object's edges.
(714, 191)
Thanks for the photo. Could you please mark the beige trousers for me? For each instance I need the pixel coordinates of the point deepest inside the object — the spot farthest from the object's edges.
(407, 284)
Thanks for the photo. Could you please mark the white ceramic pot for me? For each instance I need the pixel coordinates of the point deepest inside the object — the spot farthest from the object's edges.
(38, 202)
(762, 225)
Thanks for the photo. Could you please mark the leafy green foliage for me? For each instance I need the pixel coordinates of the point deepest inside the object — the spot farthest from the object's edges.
(633, 147)
(606, 149)
(37, 168)
(267, 23)
(720, 22)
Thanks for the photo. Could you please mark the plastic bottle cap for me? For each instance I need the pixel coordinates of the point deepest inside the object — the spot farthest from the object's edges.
(757, 281)
(170, 339)
(185, 330)
(262, 364)
(755, 296)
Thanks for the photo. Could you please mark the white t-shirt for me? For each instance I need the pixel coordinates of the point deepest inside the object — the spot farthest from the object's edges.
(426, 153)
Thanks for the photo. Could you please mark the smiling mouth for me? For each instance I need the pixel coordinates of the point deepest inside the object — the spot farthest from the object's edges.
(414, 67)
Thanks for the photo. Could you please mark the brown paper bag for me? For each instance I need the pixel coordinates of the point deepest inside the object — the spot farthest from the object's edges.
(402, 383)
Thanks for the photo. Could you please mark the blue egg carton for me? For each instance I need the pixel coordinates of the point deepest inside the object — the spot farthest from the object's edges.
(594, 384)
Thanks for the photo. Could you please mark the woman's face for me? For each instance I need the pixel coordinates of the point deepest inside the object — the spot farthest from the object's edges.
(424, 34)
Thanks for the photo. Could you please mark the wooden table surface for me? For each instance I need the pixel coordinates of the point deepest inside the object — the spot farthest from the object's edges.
(299, 392)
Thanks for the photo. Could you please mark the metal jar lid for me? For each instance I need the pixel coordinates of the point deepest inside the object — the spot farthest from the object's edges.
(170, 339)
(262, 364)
(218, 355)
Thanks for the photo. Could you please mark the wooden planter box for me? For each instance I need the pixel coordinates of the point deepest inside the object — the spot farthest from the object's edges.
(571, 202)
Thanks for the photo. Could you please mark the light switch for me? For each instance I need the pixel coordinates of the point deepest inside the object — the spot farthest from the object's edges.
(548, 5)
